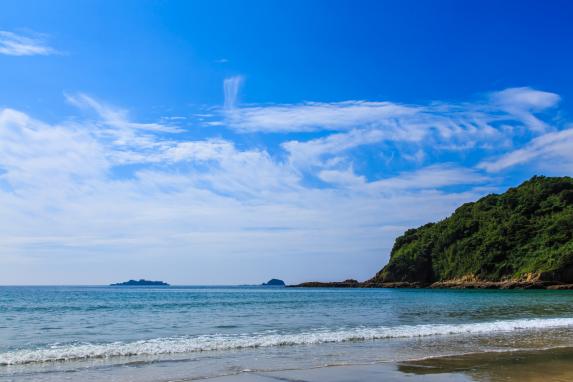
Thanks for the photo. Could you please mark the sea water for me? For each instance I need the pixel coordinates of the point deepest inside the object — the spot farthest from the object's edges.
(181, 333)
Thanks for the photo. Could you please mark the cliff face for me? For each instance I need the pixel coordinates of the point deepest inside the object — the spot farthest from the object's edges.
(523, 234)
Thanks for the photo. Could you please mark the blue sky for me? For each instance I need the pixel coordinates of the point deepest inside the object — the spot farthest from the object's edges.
(213, 142)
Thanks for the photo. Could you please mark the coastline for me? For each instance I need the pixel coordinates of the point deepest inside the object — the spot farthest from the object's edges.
(448, 284)
(524, 366)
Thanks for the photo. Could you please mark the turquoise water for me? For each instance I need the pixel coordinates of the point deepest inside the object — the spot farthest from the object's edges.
(118, 333)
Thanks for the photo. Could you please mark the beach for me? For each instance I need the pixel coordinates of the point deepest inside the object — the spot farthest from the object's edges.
(186, 333)
(548, 365)
(286, 191)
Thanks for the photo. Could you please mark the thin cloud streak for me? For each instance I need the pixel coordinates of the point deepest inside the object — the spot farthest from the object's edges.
(231, 87)
(448, 120)
(12, 44)
(553, 150)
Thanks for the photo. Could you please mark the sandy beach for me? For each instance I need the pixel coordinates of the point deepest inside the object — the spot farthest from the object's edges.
(553, 365)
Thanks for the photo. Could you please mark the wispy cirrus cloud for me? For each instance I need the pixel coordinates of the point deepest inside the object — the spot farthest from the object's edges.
(116, 117)
(551, 151)
(231, 87)
(524, 102)
(491, 123)
(432, 177)
(13, 44)
(127, 141)
(312, 152)
(110, 193)
(194, 203)
(314, 116)
(484, 116)
(426, 178)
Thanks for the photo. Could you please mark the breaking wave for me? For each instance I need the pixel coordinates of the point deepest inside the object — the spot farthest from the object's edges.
(179, 345)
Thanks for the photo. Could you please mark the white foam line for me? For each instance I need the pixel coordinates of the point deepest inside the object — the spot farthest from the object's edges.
(178, 345)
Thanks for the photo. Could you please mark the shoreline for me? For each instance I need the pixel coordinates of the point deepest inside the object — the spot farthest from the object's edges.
(282, 329)
(449, 284)
(524, 366)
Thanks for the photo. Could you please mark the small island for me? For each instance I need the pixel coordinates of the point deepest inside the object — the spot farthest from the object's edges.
(349, 283)
(141, 282)
(274, 282)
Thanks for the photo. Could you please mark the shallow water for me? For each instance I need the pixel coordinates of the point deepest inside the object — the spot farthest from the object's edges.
(134, 333)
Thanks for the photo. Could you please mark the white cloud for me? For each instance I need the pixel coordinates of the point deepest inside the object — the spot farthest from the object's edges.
(427, 178)
(431, 177)
(214, 210)
(193, 211)
(200, 150)
(315, 116)
(525, 98)
(346, 178)
(312, 152)
(115, 117)
(13, 44)
(523, 102)
(478, 120)
(417, 157)
(126, 141)
(32, 151)
(231, 87)
(551, 151)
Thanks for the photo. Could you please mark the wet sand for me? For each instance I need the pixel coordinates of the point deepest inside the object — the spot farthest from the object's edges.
(554, 365)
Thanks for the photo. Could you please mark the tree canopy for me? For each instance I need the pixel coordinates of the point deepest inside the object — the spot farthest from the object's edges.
(524, 232)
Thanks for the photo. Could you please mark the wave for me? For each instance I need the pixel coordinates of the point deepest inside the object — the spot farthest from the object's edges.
(179, 345)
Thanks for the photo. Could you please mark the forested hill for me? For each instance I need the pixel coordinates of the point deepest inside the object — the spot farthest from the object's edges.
(525, 233)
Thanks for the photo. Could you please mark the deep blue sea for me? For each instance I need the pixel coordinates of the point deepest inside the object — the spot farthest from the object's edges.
(177, 333)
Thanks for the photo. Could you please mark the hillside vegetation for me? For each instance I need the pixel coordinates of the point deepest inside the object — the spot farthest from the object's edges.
(524, 233)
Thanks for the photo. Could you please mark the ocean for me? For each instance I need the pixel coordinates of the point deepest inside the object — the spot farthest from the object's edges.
(174, 333)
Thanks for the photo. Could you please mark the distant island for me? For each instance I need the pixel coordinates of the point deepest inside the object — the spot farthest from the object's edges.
(141, 282)
(522, 238)
(274, 282)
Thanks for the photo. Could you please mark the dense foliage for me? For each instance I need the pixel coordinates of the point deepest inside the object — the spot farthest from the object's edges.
(525, 232)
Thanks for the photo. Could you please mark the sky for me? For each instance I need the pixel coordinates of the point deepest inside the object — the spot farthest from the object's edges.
(230, 142)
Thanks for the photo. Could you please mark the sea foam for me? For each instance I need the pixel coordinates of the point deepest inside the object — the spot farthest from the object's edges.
(178, 345)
